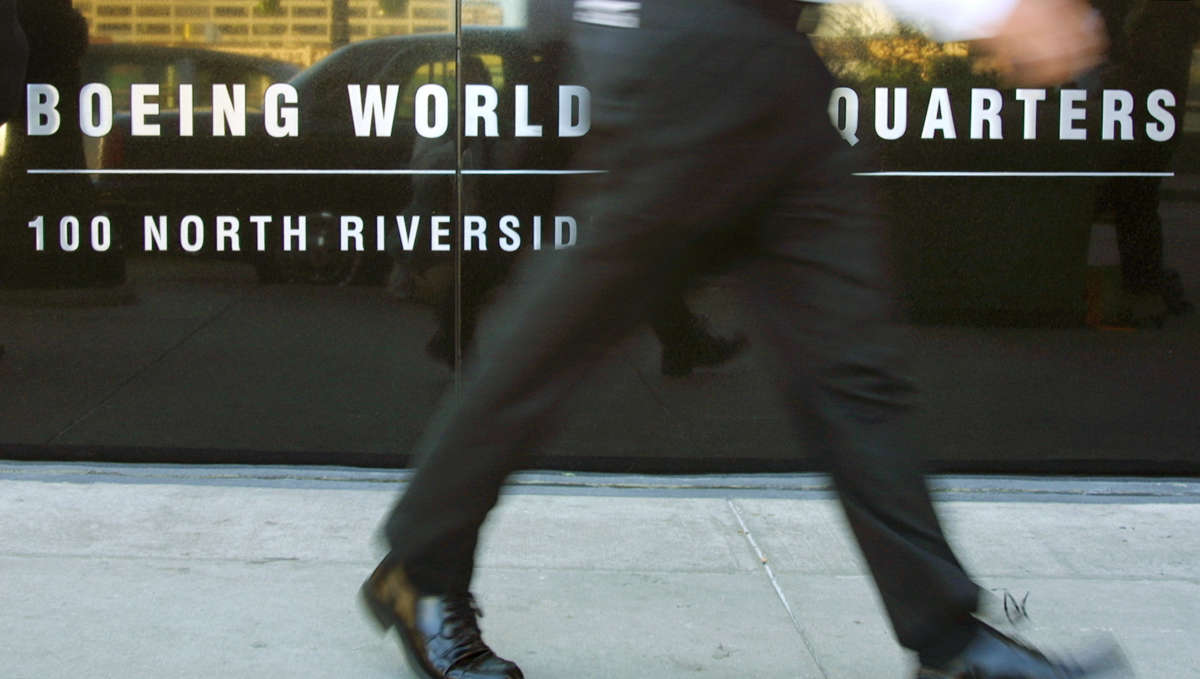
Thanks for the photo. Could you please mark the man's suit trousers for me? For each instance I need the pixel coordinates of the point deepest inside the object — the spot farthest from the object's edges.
(711, 121)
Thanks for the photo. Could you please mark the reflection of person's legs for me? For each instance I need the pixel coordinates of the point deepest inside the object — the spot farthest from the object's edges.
(479, 278)
(1139, 234)
(1140, 243)
(1152, 49)
(818, 291)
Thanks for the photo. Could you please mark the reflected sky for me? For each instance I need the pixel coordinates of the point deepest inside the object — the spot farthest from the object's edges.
(514, 12)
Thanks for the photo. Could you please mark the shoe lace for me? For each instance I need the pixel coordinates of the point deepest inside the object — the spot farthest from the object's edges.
(461, 625)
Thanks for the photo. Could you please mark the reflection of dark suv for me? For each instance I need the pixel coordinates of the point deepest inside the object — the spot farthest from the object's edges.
(328, 170)
(120, 65)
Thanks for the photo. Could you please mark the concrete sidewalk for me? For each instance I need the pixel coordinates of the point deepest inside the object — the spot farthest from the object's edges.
(158, 571)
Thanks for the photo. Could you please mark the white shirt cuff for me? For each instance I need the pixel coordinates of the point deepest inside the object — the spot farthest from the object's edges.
(949, 20)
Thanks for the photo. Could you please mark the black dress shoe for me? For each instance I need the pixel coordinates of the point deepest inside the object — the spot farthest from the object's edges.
(1173, 295)
(991, 655)
(439, 634)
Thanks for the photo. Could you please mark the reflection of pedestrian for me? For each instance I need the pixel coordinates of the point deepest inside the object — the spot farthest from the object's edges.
(435, 195)
(14, 51)
(13, 54)
(58, 38)
(1152, 42)
(710, 117)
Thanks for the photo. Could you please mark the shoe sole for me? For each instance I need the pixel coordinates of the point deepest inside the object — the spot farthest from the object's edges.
(385, 617)
(1108, 662)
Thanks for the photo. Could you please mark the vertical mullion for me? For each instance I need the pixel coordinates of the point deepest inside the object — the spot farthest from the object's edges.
(458, 194)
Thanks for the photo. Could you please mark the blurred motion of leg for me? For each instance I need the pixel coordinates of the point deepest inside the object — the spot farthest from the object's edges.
(710, 119)
(822, 307)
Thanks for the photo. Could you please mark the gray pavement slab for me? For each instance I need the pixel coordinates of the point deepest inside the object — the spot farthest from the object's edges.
(657, 623)
(1149, 540)
(116, 571)
(106, 617)
(616, 534)
(841, 619)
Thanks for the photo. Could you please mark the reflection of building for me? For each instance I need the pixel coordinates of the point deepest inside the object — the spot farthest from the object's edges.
(277, 27)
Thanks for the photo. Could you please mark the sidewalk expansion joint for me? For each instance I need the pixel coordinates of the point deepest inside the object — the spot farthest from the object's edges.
(762, 559)
(139, 372)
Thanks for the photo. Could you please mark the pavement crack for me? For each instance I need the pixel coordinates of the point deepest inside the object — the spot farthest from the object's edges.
(200, 327)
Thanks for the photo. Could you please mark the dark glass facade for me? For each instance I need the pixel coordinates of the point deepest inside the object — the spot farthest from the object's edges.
(267, 231)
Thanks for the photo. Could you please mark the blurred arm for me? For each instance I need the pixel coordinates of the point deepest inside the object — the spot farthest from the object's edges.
(948, 20)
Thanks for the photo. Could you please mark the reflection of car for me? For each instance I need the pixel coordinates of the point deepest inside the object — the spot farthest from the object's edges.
(326, 169)
(120, 65)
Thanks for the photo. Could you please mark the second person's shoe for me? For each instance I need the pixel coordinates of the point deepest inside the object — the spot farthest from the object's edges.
(698, 348)
(439, 634)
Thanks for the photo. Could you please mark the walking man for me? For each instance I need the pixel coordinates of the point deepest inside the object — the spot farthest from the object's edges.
(710, 118)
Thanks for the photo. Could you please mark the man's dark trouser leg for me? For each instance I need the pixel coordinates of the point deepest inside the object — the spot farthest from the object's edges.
(820, 296)
(541, 343)
(700, 132)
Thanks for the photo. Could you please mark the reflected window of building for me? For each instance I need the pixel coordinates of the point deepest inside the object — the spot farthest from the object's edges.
(431, 13)
(114, 10)
(191, 11)
(299, 31)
